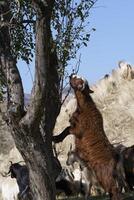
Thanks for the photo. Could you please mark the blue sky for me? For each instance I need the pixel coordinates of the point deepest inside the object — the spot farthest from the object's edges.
(112, 41)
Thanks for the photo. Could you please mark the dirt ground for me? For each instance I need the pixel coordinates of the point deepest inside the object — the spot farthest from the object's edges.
(126, 196)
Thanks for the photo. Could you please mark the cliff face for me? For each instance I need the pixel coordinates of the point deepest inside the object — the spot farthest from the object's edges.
(114, 96)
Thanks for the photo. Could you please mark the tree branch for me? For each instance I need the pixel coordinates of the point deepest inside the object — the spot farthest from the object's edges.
(36, 106)
(8, 66)
(44, 7)
(10, 24)
(45, 89)
(14, 86)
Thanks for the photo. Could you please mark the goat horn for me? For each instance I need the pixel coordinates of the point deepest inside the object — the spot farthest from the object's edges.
(5, 174)
(21, 161)
(11, 162)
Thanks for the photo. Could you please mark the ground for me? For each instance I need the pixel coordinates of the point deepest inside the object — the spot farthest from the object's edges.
(126, 196)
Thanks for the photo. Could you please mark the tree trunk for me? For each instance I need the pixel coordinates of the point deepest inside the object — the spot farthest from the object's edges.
(32, 129)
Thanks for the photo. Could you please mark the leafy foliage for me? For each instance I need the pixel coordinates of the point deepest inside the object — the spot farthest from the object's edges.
(20, 21)
(69, 22)
(22, 30)
(69, 26)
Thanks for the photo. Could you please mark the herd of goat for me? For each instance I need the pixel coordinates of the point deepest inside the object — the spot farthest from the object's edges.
(103, 168)
(82, 181)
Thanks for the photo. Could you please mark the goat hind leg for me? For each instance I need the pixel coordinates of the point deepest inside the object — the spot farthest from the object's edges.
(115, 195)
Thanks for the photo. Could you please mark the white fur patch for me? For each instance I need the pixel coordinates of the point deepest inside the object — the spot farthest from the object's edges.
(85, 82)
(75, 76)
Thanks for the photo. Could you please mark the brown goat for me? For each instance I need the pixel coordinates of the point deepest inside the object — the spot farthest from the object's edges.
(91, 143)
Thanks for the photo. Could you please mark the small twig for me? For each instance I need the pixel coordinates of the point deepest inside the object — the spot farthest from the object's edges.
(66, 96)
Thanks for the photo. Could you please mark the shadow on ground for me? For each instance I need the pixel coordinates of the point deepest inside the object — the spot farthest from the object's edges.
(126, 196)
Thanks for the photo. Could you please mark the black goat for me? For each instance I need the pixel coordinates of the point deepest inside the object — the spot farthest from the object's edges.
(127, 158)
(65, 186)
(21, 173)
(128, 161)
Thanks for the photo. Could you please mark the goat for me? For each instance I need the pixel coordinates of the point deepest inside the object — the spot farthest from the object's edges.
(69, 184)
(64, 183)
(128, 162)
(21, 174)
(91, 142)
(127, 156)
(79, 174)
(88, 175)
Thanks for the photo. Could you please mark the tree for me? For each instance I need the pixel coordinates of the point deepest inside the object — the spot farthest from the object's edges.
(70, 22)
(32, 128)
(2, 86)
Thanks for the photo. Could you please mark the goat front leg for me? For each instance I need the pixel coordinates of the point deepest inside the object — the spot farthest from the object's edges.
(88, 192)
(61, 136)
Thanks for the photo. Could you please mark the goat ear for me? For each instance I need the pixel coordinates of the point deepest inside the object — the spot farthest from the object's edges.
(88, 89)
(91, 91)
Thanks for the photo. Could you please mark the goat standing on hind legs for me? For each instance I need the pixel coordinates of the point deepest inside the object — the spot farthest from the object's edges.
(91, 142)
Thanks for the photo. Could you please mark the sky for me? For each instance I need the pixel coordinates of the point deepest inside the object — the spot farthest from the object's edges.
(112, 41)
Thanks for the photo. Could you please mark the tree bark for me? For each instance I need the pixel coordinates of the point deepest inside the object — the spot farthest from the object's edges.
(32, 129)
